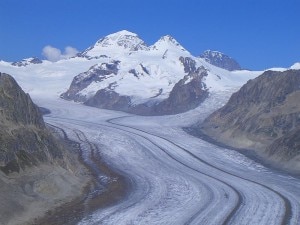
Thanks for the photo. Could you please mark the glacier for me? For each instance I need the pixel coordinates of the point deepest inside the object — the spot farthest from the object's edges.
(174, 177)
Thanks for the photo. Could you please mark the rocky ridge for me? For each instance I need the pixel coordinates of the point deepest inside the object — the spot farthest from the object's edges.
(27, 61)
(220, 60)
(263, 115)
(25, 140)
(37, 172)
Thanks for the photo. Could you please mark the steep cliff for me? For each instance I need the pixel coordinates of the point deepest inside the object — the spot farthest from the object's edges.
(24, 139)
(263, 115)
(37, 169)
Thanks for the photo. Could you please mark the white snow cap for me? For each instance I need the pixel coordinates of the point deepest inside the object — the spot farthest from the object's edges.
(296, 66)
(122, 33)
(167, 42)
(126, 42)
(121, 42)
(124, 38)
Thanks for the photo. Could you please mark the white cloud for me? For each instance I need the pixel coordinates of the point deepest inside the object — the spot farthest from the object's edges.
(51, 53)
(54, 54)
(69, 52)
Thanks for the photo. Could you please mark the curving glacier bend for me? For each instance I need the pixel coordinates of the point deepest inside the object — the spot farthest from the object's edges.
(176, 178)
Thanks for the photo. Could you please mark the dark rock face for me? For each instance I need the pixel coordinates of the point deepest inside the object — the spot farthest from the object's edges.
(22, 110)
(139, 74)
(189, 64)
(287, 146)
(264, 115)
(24, 139)
(26, 62)
(188, 93)
(94, 74)
(220, 60)
(107, 99)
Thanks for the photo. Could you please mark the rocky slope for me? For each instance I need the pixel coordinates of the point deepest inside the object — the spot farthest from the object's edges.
(220, 60)
(36, 171)
(24, 138)
(263, 115)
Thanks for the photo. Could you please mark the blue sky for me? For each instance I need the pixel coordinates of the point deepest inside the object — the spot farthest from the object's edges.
(259, 34)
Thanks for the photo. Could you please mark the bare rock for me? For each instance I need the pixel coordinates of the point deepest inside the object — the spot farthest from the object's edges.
(263, 115)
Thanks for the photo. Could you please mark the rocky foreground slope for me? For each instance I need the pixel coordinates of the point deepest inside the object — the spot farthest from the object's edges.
(36, 171)
(263, 115)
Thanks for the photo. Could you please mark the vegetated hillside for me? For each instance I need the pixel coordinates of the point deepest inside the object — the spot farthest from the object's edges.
(263, 115)
(36, 171)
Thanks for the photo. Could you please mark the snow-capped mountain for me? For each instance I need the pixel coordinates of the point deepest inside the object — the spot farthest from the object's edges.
(137, 78)
(115, 44)
(296, 66)
(27, 61)
(221, 60)
(120, 71)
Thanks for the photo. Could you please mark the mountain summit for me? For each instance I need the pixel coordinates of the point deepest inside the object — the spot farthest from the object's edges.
(122, 41)
(27, 61)
(221, 60)
(165, 43)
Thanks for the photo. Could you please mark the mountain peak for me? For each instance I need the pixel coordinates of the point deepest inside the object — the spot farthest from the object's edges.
(120, 42)
(27, 61)
(169, 39)
(221, 60)
(122, 33)
(296, 66)
(124, 38)
(166, 42)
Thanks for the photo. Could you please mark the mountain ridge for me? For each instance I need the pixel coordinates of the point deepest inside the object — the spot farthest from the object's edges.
(38, 171)
(221, 60)
(263, 115)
